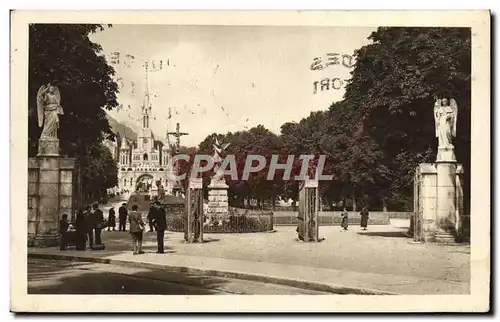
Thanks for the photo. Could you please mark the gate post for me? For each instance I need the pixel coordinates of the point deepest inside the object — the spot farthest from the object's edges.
(308, 229)
(193, 222)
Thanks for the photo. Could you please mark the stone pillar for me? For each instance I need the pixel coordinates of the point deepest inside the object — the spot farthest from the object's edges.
(49, 191)
(218, 205)
(446, 202)
(428, 201)
(446, 168)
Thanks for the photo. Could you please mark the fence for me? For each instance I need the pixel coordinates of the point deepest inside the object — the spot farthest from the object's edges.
(332, 218)
(234, 222)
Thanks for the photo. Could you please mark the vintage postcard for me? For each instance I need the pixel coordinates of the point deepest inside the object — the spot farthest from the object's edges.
(316, 161)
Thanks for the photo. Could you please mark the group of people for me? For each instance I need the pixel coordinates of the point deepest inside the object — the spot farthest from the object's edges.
(344, 224)
(122, 218)
(157, 217)
(89, 224)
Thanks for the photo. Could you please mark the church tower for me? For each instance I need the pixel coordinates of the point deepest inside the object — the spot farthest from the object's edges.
(146, 140)
(124, 153)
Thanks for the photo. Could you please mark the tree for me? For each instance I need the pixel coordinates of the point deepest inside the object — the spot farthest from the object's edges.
(255, 141)
(64, 56)
(99, 172)
(394, 84)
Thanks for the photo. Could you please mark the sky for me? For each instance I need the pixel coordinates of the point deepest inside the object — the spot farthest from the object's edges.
(216, 79)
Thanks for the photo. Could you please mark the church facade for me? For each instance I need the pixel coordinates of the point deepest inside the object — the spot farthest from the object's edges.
(142, 163)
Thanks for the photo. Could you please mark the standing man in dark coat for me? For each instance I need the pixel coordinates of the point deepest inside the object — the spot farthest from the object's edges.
(89, 226)
(98, 222)
(81, 230)
(151, 215)
(111, 219)
(160, 223)
(122, 216)
(63, 228)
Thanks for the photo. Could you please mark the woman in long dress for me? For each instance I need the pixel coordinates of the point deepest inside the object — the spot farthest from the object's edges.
(364, 217)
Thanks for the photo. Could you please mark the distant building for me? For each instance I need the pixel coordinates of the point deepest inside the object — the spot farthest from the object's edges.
(142, 164)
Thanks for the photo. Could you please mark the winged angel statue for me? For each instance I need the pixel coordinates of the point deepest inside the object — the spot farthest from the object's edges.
(48, 110)
(218, 149)
(445, 116)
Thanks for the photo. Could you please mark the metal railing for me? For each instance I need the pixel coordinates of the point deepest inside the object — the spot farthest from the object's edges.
(232, 223)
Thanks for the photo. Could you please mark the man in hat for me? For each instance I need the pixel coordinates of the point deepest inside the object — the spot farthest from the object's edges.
(160, 224)
(122, 216)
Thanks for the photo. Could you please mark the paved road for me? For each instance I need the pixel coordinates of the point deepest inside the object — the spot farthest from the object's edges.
(65, 277)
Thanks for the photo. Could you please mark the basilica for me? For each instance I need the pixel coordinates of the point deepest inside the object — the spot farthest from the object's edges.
(141, 164)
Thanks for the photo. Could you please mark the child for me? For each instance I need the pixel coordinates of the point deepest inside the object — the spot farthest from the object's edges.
(344, 224)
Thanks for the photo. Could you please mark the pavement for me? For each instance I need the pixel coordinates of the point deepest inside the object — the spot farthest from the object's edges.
(381, 260)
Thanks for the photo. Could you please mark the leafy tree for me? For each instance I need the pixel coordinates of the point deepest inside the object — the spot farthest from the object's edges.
(63, 55)
(394, 84)
(99, 171)
(256, 141)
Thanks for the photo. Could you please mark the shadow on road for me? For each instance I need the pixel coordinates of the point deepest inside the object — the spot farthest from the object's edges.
(81, 280)
(389, 234)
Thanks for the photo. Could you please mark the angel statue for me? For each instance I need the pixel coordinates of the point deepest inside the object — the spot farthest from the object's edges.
(218, 149)
(445, 116)
(48, 110)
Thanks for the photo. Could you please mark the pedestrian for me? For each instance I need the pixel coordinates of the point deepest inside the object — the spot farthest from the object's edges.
(89, 226)
(160, 223)
(345, 219)
(63, 227)
(98, 217)
(81, 230)
(136, 229)
(111, 219)
(364, 217)
(122, 216)
(151, 216)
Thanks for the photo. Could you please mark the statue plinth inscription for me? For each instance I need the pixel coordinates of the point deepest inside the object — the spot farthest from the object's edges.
(218, 205)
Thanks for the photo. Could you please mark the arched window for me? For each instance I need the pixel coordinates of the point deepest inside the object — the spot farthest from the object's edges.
(145, 157)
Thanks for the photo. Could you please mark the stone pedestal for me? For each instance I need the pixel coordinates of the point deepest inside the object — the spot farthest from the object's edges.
(439, 212)
(218, 205)
(50, 190)
(446, 155)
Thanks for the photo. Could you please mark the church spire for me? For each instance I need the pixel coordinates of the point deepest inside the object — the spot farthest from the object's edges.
(146, 105)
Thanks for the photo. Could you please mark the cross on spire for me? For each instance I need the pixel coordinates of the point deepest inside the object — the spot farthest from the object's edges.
(177, 134)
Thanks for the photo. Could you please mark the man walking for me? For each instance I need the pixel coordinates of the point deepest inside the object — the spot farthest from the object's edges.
(160, 223)
(122, 216)
(136, 229)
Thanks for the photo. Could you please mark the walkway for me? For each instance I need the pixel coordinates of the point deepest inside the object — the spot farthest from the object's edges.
(380, 259)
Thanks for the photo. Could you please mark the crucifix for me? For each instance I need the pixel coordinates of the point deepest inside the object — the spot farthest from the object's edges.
(177, 135)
